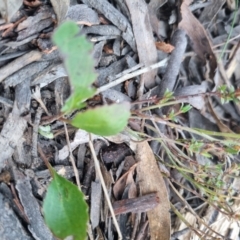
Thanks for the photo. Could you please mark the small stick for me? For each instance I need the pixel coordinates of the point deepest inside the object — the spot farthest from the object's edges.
(98, 171)
(71, 157)
(131, 75)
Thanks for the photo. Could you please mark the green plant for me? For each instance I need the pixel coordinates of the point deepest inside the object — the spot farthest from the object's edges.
(65, 210)
(211, 183)
(106, 120)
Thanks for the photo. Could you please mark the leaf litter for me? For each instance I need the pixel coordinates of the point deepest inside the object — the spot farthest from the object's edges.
(125, 34)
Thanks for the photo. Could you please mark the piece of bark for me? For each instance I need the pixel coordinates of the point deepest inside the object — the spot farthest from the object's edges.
(96, 198)
(19, 63)
(11, 228)
(27, 72)
(35, 24)
(82, 14)
(179, 41)
(105, 30)
(136, 205)
(115, 153)
(147, 51)
(32, 209)
(123, 8)
(97, 52)
(8, 56)
(15, 124)
(53, 73)
(113, 69)
(117, 18)
(20, 43)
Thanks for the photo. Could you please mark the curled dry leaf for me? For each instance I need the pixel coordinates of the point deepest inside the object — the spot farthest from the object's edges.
(165, 47)
(122, 182)
(151, 180)
(60, 8)
(199, 40)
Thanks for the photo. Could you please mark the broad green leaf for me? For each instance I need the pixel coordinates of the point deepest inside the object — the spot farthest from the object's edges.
(105, 121)
(78, 62)
(65, 210)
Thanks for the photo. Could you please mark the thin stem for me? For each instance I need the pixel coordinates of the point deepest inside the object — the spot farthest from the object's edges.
(98, 171)
(71, 158)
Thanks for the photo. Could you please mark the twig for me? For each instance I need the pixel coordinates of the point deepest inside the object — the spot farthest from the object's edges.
(98, 171)
(36, 94)
(35, 136)
(71, 157)
(131, 75)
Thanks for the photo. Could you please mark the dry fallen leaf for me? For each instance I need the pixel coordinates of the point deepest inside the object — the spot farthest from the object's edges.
(151, 180)
(145, 42)
(198, 36)
(9, 7)
(60, 8)
(121, 183)
(165, 47)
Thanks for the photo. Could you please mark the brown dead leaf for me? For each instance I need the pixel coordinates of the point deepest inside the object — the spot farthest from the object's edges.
(60, 8)
(224, 128)
(122, 182)
(151, 180)
(9, 7)
(144, 38)
(165, 47)
(198, 36)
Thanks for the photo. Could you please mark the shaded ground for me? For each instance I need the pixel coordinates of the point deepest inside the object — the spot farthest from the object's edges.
(169, 180)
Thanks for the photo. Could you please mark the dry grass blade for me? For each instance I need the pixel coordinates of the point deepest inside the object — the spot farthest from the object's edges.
(98, 171)
(151, 180)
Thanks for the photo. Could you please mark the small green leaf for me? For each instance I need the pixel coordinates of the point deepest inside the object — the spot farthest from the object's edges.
(78, 62)
(65, 210)
(185, 108)
(105, 121)
(77, 100)
(167, 96)
(45, 131)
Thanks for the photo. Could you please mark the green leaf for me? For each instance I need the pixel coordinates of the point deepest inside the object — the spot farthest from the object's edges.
(105, 121)
(65, 210)
(77, 99)
(45, 131)
(185, 108)
(78, 62)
